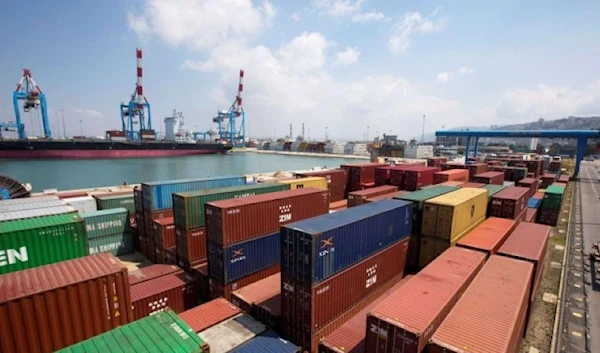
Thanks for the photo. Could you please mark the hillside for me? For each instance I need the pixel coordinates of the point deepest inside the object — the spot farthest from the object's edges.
(570, 123)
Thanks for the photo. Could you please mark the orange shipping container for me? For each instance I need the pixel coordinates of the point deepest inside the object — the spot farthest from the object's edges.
(451, 175)
(209, 314)
(245, 298)
(489, 235)
(217, 289)
(176, 291)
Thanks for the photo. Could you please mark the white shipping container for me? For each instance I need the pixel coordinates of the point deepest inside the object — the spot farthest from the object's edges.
(232, 333)
(27, 200)
(82, 204)
(31, 206)
(38, 212)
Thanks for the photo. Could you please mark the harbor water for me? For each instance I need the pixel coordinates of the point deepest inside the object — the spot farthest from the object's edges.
(78, 174)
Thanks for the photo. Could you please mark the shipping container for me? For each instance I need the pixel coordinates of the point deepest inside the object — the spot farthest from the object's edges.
(451, 183)
(450, 215)
(268, 311)
(158, 195)
(534, 203)
(553, 198)
(397, 175)
(108, 201)
(493, 190)
(59, 292)
(452, 165)
(239, 260)
(257, 292)
(38, 212)
(35, 242)
(473, 185)
(417, 178)
(430, 248)
(547, 180)
(70, 194)
(176, 291)
(268, 342)
(338, 205)
(82, 204)
(106, 222)
(337, 180)
(31, 205)
(316, 249)
(26, 200)
(530, 183)
(489, 235)
(418, 198)
(490, 315)
(405, 320)
(548, 217)
(389, 196)
(436, 161)
(163, 332)
(360, 175)
(233, 221)
(476, 168)
(451, 175)
(493, 178)
(191, 246)
(510, 203)
(151, 272)
(217, 289)
(116, 244)
(383, 175)
(531, 215)
(188, 207)
(209, 314)
(359, 197)
(200, 273)
(164, 233)
(308, 182)
(350, 337)
(232, 333)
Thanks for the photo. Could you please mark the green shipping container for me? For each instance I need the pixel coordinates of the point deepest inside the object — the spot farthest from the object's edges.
(32, 242)
(106, 222)
(188, 207)
(493, 189)
(115, 201)
(418, 199)
(553, 197)
(117, 244)
(161, 332)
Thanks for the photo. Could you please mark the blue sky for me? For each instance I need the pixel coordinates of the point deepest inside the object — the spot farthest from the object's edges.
(345, 64)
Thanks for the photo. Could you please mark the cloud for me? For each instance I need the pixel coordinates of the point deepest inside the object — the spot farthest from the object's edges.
(348, 56)
(410, 24)
(201, 24)
(369, 16)
(446, 76)
(295, 17)
(338, 8)
(464, 70)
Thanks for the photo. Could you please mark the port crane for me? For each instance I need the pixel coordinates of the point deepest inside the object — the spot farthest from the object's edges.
(231, 123)
(29, 92)
(137, 110)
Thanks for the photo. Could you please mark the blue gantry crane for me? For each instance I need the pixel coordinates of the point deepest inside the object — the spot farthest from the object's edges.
(137, 110)
(30, 93)
(231, 124)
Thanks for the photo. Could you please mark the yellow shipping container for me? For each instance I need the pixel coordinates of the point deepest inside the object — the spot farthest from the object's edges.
(450, 215)
(311, 182)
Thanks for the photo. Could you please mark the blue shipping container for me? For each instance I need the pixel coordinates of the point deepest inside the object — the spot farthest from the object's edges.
(239, 260)
(534, 203)
(158, 195)
(268, 342)
(315, 249)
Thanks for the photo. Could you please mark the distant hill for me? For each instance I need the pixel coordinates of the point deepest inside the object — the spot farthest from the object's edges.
(570, 123)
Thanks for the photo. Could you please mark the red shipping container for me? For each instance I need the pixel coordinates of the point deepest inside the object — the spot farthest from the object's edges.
(200, 273)
(191, 246)
(158, 214)
(490, 315)
(472, 185)
(489, 235)
(217, 289)
(245, 298)
(493, 178)
(47, 308)
(416, 178)
(530, 183)
(350, 337)
(383, 175)
(452, 183)
(209, 314)
(436, 161)
(237, 220)
(531, 215)
(171, 256)
(405, 321)
(337, 179)
(176, 291)
(338, 205)
(510, 202)
(476, 168)
(357, 198)
(452, 165)
(386, 196)
(451, 175)
(360, 175)
(397, 174)
(164, 232)
(151, 272)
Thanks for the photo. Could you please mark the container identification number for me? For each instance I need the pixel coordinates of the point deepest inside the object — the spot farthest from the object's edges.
(378, 331)
(322, 290)
(288, 287)
(233, 211)
(244, 195)
(10, 256)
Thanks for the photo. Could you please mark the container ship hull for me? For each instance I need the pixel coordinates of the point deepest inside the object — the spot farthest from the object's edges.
(104, 149)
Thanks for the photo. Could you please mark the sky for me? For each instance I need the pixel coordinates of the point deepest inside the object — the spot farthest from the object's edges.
(348, 65)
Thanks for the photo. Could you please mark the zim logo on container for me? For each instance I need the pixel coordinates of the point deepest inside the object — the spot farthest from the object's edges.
(237, 256)
(285, 213)
(11, 256)
(324, 244)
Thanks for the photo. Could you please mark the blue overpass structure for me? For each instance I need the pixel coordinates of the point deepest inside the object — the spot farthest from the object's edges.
(581, 136)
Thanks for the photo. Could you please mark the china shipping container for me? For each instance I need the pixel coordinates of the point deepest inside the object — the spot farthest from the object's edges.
(176, 291)
(436, 161)
(316, 249)
(31, 205)
(106, 222)
(158, 195)
(189, 210)
(337, 179)
(357, 198)
(552, 199)
(308, 182)
(268, 342)
(510, 203)
(35, 242)
(360, 175)
(228, 264)
(35, 213)
(451, 175)
(268, 311)
(350, 337)
(218, 289)
(191, 246)
(475, 320)
(200, 273)
(476, 168)
(238, 330)
(414, 179)
(531, 215)
(108, 201)
(408, 317)
(60, 291)
(163, 332)
(530, 183)
(151, 272)
(389, 196)
(116, 244)
(232, 221)
(494, 178)
(27, 200)
(245, 298)
(209, 314)
(489, 235)
(82, 204)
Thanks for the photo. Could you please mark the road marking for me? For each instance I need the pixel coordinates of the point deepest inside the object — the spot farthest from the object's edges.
(576, 334)
(559, 247)
(555, 264)
(550, 298)
(578, 315)
(577, 285)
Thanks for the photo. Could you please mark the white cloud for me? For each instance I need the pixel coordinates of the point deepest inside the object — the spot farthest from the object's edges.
(202, 24)
(369, 16)
(295, 17)
(338, 8)
(446, 76)
(464, 70)
(412, 23)
(348, 56)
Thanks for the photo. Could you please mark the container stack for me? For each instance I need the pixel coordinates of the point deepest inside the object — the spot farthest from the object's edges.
(551, 204)
(547, 180)
(489, 236)
(112, 200)
(252, 299)
(109, 230)
(164, 240)
(332, 264)
(531, 183)
(336, 182)
(476, 168)
(415, 178)
(461, 175)
(510, 203)
(436, 161)
(398, 172)
(357, 198)
(360, 176)
(493, 178)
(308, 182)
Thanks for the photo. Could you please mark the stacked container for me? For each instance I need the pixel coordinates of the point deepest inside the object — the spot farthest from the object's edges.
(252, 297)
(510, 203)
(139, 242)
(451, 175)
(547, 180)
(360, 176)
(436, 161)
(38, 212)
(109, 230)
(550, 209)
(417, 178)
(243, 234)
(489, 235)
(109, 201)
(337, 179)
(494, 178)
(398, 172)
(357, 198)
(8, 206)
(531, 183)
(476, 168)
(209, 314)
(164, 238)
(308, 182)
(237, 330)
(333, 262)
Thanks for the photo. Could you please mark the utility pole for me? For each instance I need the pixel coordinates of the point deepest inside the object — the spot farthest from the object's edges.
(63, 121)
(423, 132)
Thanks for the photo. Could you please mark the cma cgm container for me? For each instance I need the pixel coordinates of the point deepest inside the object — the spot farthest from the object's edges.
(405, 321)
(336, 181)
(237, 331)
(158, 195)
(59, 292)
(189, 210)
(489, 235)
(34, 242)
(38, 212)
(510, 203)
(309, 182)
(163, 332)
(106, 222)
(316, 249)
(359, 197)
(232, 221)
(494, 178)
(108, 201)
(257, 292)
(415, 178)
(490, 315)
(13, 207)
(451, 175)
(176, 291)
(268, 342)
(209, 314)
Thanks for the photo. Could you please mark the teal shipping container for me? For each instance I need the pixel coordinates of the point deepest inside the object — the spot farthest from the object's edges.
(28, 243)
(106, 222)
(493, 189)
(117, 244)
(105, 202)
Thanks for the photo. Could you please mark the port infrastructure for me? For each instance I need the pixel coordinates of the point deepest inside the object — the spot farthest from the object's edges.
(30, 93)
(581, 136)
(231, 123)
(137, 110)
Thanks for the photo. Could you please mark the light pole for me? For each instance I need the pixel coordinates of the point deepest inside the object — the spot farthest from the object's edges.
(63, 121)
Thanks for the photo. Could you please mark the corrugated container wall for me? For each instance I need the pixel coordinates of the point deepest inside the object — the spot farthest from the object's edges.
(105, 202)
(191, 246)
(418, 199)
(59, 292)
(238, 330)
(26, 200)
(268, 342)
(150, 272)
(224, 290)
(309, 182)
(414, 179)
(359, 197)
(493, 178)
(106, 222)
(31, 205)
(510, 203)
(489, 235)
(82, 204)
(117, 244)
(451, 175)
(38, 212)
(209, 314)
(176, 291)
(257, 292)
(336, 180)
